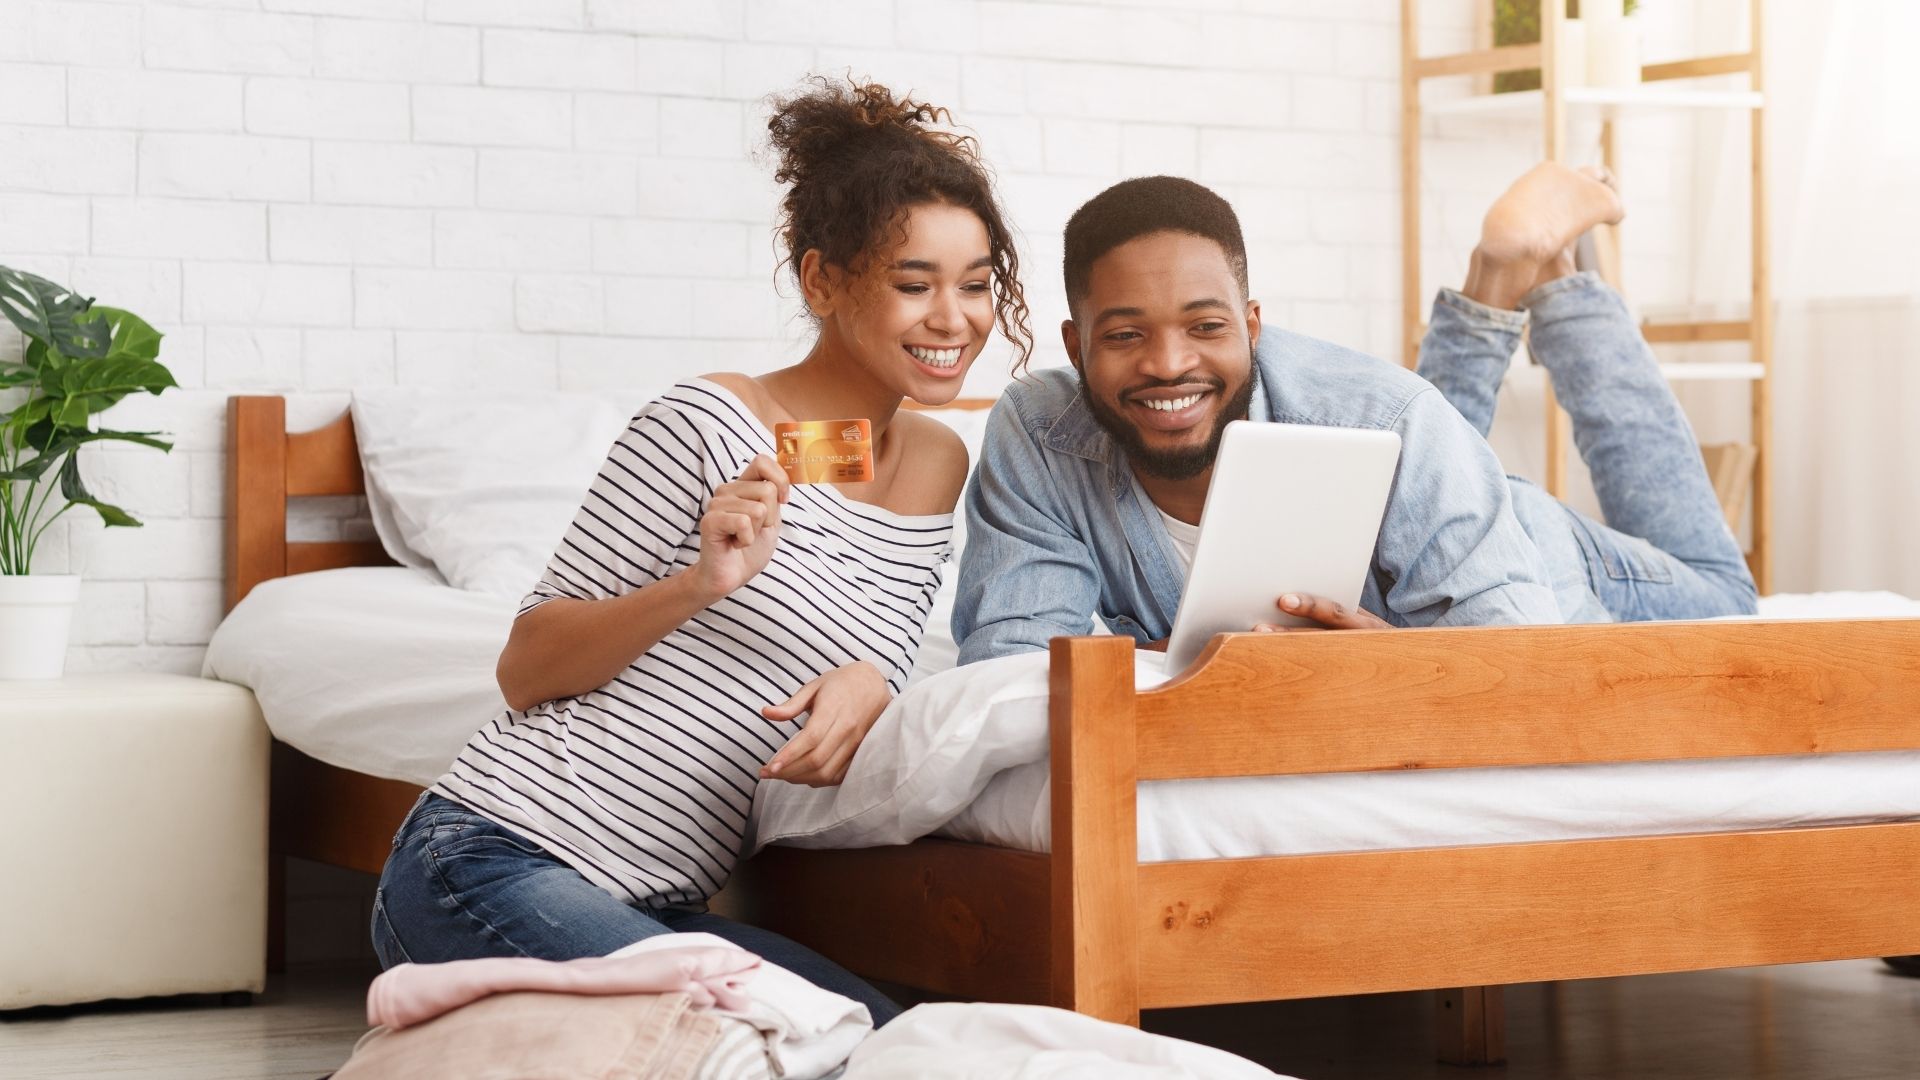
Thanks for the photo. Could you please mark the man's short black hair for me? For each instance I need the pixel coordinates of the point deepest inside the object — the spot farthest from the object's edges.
(1148, 204)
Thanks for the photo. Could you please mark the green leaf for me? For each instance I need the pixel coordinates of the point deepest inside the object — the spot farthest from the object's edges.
(11, 426)
(111, 515)
(132, 338)
(18, 377)
(71, 413)
(76, 494)
(71, 485)
(40, 436)
(144, 438)
(87, 388)
(51, 313)
(50, 439)
(31, 413)
(30, 471)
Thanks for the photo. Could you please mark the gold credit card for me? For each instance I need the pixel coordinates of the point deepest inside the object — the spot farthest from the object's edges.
(826, 451)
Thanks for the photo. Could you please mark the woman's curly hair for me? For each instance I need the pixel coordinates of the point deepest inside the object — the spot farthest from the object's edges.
(855, 159)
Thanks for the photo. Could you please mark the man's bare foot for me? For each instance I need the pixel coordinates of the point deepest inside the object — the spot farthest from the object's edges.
(1527, 237)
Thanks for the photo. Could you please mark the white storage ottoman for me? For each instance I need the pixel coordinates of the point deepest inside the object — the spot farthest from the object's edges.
(133, 839)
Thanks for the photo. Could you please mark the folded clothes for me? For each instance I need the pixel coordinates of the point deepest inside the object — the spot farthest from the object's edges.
(710, 976)
(808, 1031)
(512, 1036)
(792, 1029)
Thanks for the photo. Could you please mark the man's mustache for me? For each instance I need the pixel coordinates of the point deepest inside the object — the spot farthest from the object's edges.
(1212, 383)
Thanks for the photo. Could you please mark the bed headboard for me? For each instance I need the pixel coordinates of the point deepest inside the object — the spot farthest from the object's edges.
(267, 465)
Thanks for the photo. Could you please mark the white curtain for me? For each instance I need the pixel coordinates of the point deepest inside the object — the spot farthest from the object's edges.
(1843, 112)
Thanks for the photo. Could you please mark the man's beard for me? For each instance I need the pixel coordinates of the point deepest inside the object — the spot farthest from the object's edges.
(1181, 464)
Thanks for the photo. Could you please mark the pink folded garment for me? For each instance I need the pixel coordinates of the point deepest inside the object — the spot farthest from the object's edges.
(415, 993)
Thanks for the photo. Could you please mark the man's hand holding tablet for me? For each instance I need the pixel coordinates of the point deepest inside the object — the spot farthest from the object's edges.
(1292, 511)
(1327, 614)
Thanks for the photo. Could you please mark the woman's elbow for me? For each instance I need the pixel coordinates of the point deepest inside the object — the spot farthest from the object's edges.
(513, 687)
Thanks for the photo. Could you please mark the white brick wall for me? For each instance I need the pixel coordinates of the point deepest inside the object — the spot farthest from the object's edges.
(314, 195)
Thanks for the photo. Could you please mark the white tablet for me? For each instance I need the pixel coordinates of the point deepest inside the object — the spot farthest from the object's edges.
(1291, 508)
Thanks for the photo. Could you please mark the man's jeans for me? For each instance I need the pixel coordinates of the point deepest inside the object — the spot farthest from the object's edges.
(460, 886)
(1665, 551)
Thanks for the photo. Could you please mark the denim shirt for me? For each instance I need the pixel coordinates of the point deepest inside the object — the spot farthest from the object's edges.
(1059, 529)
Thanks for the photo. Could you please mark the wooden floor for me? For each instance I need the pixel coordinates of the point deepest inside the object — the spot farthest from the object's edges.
(304, 1026)
(1842, 1021)
(1852, 1020)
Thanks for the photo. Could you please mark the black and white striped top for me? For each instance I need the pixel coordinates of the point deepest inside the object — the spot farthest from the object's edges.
(645, 784)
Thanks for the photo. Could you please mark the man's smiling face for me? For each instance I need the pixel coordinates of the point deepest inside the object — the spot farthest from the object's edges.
(1163, 340)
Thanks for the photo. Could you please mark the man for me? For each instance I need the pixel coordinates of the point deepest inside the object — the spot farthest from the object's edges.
(1091, 481)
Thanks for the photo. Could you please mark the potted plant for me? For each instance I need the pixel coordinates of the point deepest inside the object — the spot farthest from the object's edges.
(78, 359)
(1517, 22)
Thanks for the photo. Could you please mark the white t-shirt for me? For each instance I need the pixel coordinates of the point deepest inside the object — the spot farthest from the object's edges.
(1185, 537)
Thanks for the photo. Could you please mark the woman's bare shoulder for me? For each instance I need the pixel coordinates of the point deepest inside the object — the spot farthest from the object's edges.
(936, 460)
(744, 387)
(751, 394)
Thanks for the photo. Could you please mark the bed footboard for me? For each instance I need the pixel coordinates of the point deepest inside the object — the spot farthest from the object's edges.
(1128, 936)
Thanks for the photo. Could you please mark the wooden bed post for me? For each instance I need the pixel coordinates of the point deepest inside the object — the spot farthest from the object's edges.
(1095, 904)
(256, 493)
(256, 544)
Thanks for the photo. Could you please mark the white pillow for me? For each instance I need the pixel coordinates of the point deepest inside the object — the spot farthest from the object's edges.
(480, 486)
(378, 669)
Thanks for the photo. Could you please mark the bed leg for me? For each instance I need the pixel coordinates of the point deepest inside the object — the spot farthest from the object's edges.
(276, 912)
(1470, 1025)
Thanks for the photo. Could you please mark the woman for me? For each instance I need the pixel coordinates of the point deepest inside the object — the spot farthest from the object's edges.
(701, 605)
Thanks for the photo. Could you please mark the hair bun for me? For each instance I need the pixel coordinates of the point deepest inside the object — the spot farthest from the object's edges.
(824, 126)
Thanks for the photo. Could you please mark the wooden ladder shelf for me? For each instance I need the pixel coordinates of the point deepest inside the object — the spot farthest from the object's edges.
(1555, 99)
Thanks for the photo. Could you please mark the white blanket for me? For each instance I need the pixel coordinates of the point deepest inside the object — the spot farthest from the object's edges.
(929, 755)
(954, 1041)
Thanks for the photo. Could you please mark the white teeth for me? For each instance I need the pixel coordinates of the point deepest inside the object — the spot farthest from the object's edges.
(1172, 404)
(936, 357)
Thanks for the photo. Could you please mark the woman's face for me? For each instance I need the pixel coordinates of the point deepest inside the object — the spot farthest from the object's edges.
(922, 311)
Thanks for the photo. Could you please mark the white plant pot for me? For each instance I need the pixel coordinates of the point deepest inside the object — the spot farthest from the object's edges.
(36, 611)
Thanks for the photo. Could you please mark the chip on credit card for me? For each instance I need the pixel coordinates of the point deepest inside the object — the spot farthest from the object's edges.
(826, 451)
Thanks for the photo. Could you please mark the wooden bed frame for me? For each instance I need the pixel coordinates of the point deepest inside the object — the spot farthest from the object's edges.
(1090, 928)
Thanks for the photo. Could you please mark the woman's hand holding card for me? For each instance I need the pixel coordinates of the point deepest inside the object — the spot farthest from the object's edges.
(740, 527)
(841, 707)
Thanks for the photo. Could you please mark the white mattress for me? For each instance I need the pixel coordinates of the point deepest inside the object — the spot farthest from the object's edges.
(1243, 817)
(385, 671)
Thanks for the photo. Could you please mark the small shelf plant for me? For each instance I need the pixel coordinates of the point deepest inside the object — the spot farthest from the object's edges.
(77, 359)
(1517, 22)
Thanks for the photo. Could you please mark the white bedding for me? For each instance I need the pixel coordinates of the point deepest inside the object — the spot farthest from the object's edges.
(385, 671)
(380, 669)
